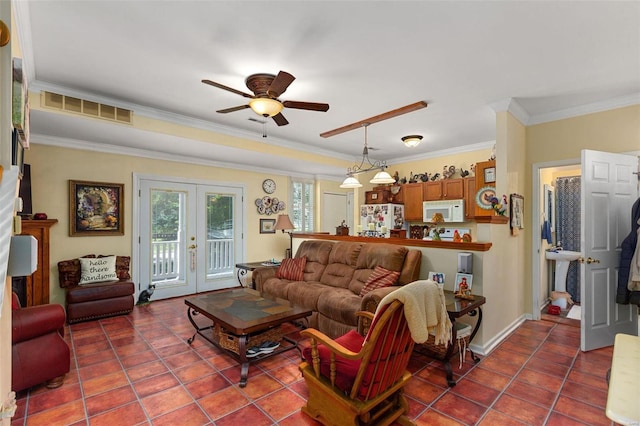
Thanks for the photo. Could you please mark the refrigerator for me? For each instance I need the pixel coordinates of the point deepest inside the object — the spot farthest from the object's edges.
(376, 220)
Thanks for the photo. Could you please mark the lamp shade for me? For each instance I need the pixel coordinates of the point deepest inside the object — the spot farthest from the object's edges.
(266, 107)
(412, 140)
(351, 182)
(284, 222)
(382, 177)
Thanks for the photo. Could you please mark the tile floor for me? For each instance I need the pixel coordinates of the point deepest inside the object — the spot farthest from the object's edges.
(138, 369)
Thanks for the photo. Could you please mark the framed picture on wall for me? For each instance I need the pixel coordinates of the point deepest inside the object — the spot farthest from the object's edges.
(267, 226)
(95, 208)
(517, 211)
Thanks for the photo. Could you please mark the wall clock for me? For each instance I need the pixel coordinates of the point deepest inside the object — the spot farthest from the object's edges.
(269, 186)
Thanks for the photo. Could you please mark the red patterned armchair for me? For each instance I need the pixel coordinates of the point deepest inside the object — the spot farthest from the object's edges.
(38, 349)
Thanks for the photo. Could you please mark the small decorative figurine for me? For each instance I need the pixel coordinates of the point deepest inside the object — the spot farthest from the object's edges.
(448, 171)
(464, 173)
(435, 176)
(456, 237)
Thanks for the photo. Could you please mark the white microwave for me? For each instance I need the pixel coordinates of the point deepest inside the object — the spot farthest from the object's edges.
(451, 210)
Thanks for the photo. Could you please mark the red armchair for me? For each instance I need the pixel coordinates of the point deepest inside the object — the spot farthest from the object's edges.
(38, 349)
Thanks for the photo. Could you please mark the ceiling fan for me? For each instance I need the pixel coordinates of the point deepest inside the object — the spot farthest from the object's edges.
(266, 89)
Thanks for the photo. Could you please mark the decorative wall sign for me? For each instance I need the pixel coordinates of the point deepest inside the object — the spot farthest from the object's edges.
(96, 208)
(517, 211)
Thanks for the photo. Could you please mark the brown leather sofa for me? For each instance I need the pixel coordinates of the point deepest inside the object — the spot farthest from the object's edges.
(39, 352)
(96, 300)
(334, 274)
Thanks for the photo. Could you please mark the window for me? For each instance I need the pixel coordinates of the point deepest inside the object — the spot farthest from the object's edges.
(302, 204)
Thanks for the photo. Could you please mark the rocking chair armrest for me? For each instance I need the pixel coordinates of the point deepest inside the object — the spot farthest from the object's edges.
(334, 347)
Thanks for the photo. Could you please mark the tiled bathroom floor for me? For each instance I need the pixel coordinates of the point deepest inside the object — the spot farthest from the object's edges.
(139, 370)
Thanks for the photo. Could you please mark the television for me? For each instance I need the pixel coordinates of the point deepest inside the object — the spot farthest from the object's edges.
(25, 192)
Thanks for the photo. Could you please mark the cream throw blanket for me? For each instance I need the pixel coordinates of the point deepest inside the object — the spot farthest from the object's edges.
(425, 310)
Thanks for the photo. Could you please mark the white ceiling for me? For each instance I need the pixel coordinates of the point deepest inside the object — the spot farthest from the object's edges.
(553, 59)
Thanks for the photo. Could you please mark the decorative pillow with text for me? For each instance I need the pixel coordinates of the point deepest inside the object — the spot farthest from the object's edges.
(380, 277)
(96, 269)
(292, 269)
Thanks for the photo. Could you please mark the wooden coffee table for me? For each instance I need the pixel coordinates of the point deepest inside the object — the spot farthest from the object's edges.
(240, 315)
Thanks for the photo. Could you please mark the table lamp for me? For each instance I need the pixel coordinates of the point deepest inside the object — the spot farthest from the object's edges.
(284, 223)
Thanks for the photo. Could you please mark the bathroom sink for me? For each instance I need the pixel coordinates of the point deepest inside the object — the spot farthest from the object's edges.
(566, 255)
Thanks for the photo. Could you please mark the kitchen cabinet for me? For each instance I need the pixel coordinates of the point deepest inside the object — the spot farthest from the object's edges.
(469, 198)
(412, 196)
(446, 189)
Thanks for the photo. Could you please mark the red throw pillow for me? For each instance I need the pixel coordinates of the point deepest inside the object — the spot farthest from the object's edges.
(292, 269)
(380, 277)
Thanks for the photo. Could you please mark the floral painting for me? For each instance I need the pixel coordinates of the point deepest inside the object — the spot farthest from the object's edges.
(96, 208)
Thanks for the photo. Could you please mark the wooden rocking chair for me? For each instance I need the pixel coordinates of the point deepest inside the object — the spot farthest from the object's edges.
(357, 380)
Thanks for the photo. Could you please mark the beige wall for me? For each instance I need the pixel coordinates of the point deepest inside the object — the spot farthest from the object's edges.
(434, 165)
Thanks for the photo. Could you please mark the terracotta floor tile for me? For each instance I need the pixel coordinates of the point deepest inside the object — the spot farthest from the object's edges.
(96, 358)
(423, 391)
(207, 385)
(155, 384)
(531, 393)
(585, 393)
(286, 374)
(138, 358)
(223, 402)
(581, 411)
(62, 414)
(542, 380)
(476, 392)
(548, 367)
(493, 418)
(521, 409)
(97, 370)
(433, 418)
(183, 359)
(557, 419)
(166, 401)
(299, 419)
(260, 385)
(595, 382)
(144, 371)
(489, 378)
(193, 371)
(460, 408)
(189, 415)
(132, 349)
(500, 366)
(167, 351)
(132, 412)
(53, 398)
(109, 400)
(281, 403)
(104, 383)
(245, 415)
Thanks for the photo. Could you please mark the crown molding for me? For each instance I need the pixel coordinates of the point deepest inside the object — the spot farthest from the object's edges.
(444, 152)
(512, 106)
(40, 139)
(606, 105)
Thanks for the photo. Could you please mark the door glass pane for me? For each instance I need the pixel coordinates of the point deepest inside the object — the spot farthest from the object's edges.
(167, 236)
(219, 254)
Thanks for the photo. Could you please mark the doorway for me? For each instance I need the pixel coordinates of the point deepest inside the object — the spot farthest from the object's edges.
(336, 207)
(190, 236)
(608, 188)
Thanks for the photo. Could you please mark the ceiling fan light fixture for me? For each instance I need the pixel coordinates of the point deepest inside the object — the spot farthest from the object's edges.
(351, 182)
(382, 177)
(412, 140)
(266, 107)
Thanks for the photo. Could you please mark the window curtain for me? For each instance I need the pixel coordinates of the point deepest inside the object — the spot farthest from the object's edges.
(568, 227)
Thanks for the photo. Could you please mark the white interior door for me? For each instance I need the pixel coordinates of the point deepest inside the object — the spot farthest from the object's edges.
(609, 189)
(335, 209)
(190, 237)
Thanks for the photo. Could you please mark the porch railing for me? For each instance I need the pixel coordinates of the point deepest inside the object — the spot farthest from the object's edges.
(168, 265)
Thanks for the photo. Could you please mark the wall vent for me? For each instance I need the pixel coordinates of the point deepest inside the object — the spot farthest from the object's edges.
(86, 108)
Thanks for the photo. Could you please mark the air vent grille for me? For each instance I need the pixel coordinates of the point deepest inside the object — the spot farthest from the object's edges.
(86, 108)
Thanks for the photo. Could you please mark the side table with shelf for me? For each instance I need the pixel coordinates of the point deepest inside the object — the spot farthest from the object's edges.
(245, 268)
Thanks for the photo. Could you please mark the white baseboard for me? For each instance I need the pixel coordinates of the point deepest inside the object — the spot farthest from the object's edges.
(498, 338)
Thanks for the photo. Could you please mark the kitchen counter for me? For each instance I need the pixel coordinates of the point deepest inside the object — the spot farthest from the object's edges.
(473, 246)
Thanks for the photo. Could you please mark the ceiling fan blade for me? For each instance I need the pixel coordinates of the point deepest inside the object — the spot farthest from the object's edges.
(384, 116)
(313, 106)
(232, 109)
(229, 89)
(280, 84)
(280, 120)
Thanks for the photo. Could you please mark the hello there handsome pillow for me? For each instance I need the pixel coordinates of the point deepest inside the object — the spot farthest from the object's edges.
(97, 269)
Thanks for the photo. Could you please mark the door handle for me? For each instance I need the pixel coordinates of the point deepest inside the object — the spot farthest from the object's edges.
(192, 246)
(591, 260)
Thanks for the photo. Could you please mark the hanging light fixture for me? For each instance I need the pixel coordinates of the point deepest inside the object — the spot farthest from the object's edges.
(382, 177)
(412, 140)
(266, 107)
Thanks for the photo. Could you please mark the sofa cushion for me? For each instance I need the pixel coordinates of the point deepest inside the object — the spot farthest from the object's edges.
(380, 277)
(99, 291)
(342, 262)
(100, 269)
(389, 256)
(307, 294)
(340, 305)
(346, 369)
(278, 287)
(292, 269)
(317, 253)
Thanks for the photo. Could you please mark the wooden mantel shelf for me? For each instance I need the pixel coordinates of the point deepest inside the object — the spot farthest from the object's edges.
(477, 246)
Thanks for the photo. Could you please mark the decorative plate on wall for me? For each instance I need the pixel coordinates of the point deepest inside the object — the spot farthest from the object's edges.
(484, 196)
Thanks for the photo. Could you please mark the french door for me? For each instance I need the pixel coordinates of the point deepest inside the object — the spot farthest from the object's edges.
(190, 237)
